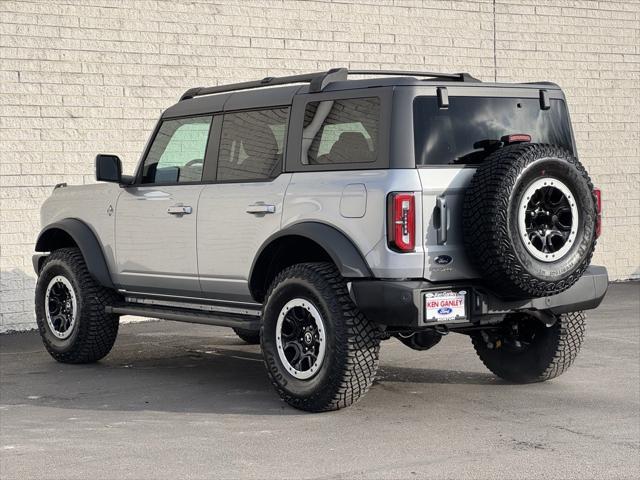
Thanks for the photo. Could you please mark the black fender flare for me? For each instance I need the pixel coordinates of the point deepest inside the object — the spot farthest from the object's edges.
(87, 242)
(340, 248)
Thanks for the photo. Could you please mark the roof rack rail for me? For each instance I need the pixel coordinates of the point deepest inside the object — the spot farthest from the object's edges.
(318, 80)
(461, 77)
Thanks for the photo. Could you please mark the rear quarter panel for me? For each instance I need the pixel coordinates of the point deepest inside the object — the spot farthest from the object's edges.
(317, 196)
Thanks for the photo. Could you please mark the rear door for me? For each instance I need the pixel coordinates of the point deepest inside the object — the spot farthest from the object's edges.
(450, 142)
(242, 206)
(156, 218)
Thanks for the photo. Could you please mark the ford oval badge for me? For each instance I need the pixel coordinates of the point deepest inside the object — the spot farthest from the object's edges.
(444, 311)
(443, 260)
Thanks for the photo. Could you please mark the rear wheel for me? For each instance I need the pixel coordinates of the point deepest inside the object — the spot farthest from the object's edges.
(70, 310)
(524, 350)
(251, 337)
(321, 353)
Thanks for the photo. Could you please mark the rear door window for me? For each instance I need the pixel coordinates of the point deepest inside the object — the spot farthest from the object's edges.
(341, 131)
(457, 135)
(252, 145)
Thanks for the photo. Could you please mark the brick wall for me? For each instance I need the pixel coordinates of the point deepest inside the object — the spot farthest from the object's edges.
(79, 77)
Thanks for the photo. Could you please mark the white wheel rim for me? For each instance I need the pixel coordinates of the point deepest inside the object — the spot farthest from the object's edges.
(60, 307)
(549, 243)
(311, 336)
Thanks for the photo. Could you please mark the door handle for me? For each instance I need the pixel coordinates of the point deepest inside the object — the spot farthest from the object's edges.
(443, 225)
(258, 208)
(179, 210)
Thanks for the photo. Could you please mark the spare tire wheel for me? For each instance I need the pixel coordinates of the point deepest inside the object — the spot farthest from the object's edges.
(529, 220)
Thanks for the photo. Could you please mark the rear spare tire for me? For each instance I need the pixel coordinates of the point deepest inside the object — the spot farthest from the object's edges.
(530, 220)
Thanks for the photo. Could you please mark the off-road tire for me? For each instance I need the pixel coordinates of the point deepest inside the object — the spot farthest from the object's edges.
(352, 342)
(95, 331)
(553, 353)
(248, 336)
(491, 235)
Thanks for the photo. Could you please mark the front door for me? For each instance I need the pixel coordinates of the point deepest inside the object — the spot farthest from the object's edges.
(243, 207)
(156, 217)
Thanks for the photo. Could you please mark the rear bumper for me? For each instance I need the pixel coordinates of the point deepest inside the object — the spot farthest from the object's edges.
(400, 303)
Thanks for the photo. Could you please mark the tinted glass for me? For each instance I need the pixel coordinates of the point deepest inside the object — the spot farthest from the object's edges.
(452, 136)
(252, 144)
(177, 152)
(341, 131)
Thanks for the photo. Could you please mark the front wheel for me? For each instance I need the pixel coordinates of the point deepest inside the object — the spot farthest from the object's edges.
(321, 353)
(70, 310)
(522, 349)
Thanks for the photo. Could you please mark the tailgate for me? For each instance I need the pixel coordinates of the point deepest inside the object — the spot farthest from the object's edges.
(442, 198)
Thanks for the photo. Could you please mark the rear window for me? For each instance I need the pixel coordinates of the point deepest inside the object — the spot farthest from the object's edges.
(457, 135)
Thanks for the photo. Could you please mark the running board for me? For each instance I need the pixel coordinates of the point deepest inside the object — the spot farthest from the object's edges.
(181, 315)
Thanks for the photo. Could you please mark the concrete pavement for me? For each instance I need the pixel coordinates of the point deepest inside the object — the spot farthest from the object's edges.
(186, 401)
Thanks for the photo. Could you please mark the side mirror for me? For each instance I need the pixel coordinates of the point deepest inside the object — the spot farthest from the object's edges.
(108, 168)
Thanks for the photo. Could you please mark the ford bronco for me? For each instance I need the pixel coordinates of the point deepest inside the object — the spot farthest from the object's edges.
(318, 215)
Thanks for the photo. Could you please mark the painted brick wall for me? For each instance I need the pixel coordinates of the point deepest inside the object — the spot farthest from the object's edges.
(592, 50)
(79, 77)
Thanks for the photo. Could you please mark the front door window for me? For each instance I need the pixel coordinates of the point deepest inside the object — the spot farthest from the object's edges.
(177, 152)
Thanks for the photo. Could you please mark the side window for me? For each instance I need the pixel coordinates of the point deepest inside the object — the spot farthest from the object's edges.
(341, 131)
(252, 144)
(177, 152)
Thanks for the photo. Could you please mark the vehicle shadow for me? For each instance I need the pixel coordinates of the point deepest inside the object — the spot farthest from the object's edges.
(210, 380)
(164, 372)
(435, 376)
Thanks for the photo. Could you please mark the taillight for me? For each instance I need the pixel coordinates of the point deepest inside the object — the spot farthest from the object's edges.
(598, 193)
(402, 222)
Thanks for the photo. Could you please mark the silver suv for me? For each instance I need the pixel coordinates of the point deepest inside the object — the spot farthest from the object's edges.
(318, 215)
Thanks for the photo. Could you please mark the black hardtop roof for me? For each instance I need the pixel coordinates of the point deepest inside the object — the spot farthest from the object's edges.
(273, 91)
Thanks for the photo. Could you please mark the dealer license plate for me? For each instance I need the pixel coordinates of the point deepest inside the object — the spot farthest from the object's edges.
(445, 306)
